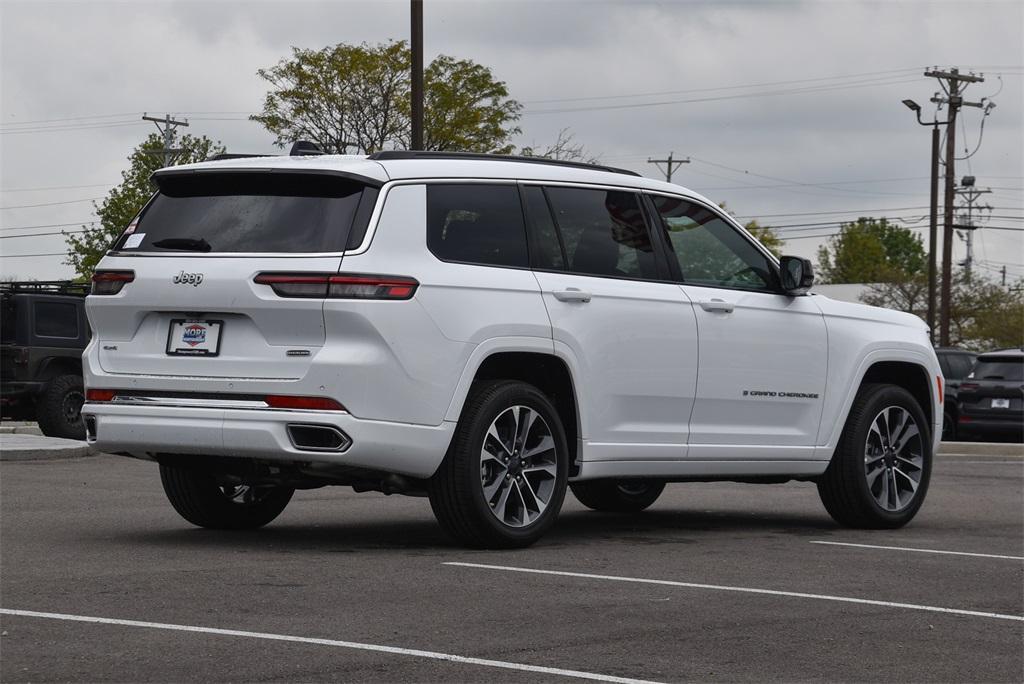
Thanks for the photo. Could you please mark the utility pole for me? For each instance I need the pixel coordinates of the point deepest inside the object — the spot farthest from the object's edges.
(416, 46)
(933, 215)
(971, 194)
(1004, 276)
(953, 83)
(167, 131)
(669, 168)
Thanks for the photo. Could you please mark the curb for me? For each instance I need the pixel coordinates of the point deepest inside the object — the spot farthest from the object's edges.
(981, 449)
(30, 447)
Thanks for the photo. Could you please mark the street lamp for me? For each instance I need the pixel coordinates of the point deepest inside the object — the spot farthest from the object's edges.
(934, 222)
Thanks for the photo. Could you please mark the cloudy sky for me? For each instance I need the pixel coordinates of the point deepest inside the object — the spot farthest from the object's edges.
(789, 111)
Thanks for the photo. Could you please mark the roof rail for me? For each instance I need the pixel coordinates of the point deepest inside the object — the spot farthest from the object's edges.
(388, 155)
(63, 287)
(229, 155)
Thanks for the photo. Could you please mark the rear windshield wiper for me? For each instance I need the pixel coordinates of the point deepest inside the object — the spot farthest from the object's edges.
(185, 244)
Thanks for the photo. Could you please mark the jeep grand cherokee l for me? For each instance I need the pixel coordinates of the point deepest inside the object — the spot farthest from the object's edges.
(488, 332)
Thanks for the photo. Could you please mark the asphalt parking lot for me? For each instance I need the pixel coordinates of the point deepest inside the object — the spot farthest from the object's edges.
(357, 587)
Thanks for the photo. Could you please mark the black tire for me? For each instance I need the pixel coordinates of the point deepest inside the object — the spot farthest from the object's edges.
(844, 487)
(59, 407)
(618, 496)
(948, 427)
(200, 499)
(457, 488)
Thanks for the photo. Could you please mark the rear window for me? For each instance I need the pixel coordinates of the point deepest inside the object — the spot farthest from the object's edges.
(999, 369)
(251, 212)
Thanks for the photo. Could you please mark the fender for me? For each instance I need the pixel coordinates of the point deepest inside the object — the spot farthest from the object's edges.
(836, 417)
(493, 345)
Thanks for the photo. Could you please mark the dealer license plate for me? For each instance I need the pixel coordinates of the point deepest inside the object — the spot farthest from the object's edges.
(194, 337)
(1000, 403)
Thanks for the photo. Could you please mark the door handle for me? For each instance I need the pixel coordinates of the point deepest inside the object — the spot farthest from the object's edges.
(717, 305)
(571, 294)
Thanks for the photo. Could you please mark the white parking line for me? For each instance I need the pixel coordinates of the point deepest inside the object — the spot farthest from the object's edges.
(746, 590)
(907, 548)
(394, 650)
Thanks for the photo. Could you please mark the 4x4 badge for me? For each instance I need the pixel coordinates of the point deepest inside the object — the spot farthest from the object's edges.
(192, 279)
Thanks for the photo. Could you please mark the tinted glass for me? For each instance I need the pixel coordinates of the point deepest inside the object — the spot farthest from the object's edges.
(957, 366)
(476, 223)
(247, 212)
(999, 369)
(709, 250)
(545, 247)
(54, 319)
(603, 232)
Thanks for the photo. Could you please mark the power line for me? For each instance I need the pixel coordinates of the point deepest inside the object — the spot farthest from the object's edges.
(59, 232)
(50, 204)
(58, 187)
(767, 93)
(49, 225)
(71, 128)
(718, 88)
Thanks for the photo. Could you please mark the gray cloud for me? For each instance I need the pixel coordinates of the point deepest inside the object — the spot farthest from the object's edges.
(62, 60)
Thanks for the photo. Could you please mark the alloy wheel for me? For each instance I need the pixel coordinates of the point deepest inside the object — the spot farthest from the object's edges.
(894, 458)
(518, 466)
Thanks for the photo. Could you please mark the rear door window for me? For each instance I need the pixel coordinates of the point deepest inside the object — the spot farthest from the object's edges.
(476, 223)
(603, 232)
(249, 212)
(56, 319)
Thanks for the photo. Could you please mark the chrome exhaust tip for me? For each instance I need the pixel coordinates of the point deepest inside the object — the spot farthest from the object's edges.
(312, 437)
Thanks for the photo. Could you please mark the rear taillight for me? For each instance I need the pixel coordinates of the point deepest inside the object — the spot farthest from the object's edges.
(339, 285)
(287, 401)
(110, 282)
(100, 394)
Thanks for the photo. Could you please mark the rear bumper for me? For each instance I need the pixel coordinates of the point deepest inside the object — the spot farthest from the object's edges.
(403, 448)
(969, 424)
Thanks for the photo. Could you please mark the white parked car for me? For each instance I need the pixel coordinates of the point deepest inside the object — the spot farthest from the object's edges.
(487, 331)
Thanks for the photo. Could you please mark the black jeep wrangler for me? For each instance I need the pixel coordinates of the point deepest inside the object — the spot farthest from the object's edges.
(43, 330)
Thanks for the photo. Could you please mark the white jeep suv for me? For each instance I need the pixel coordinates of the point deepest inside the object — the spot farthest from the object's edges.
(487, 331)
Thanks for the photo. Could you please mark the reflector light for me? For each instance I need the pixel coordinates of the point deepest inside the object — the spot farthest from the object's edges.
(339, 286)
(968, 387)
(100, 394)
(285, 401)
(110, 282)
(938, 380)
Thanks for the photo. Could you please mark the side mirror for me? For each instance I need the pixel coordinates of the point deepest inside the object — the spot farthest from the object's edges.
(797, 275)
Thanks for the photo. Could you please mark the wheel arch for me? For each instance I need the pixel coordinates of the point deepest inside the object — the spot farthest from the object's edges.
(904, 368)
(52, 366)
(537, 365)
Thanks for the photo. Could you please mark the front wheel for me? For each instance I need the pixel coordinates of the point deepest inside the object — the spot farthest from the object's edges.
(618, 496)
(879, 473)
(199, 498)
(503, 480)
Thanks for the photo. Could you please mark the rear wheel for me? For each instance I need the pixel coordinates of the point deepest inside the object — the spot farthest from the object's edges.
(618, 496)
(199, 498)
(59, 407)
(879, 473)
(503, 480)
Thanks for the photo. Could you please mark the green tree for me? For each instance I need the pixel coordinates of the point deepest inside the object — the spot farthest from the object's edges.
(124, 201)
(871, 250)
(357, 96)
(985, 315)
(766, 235)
